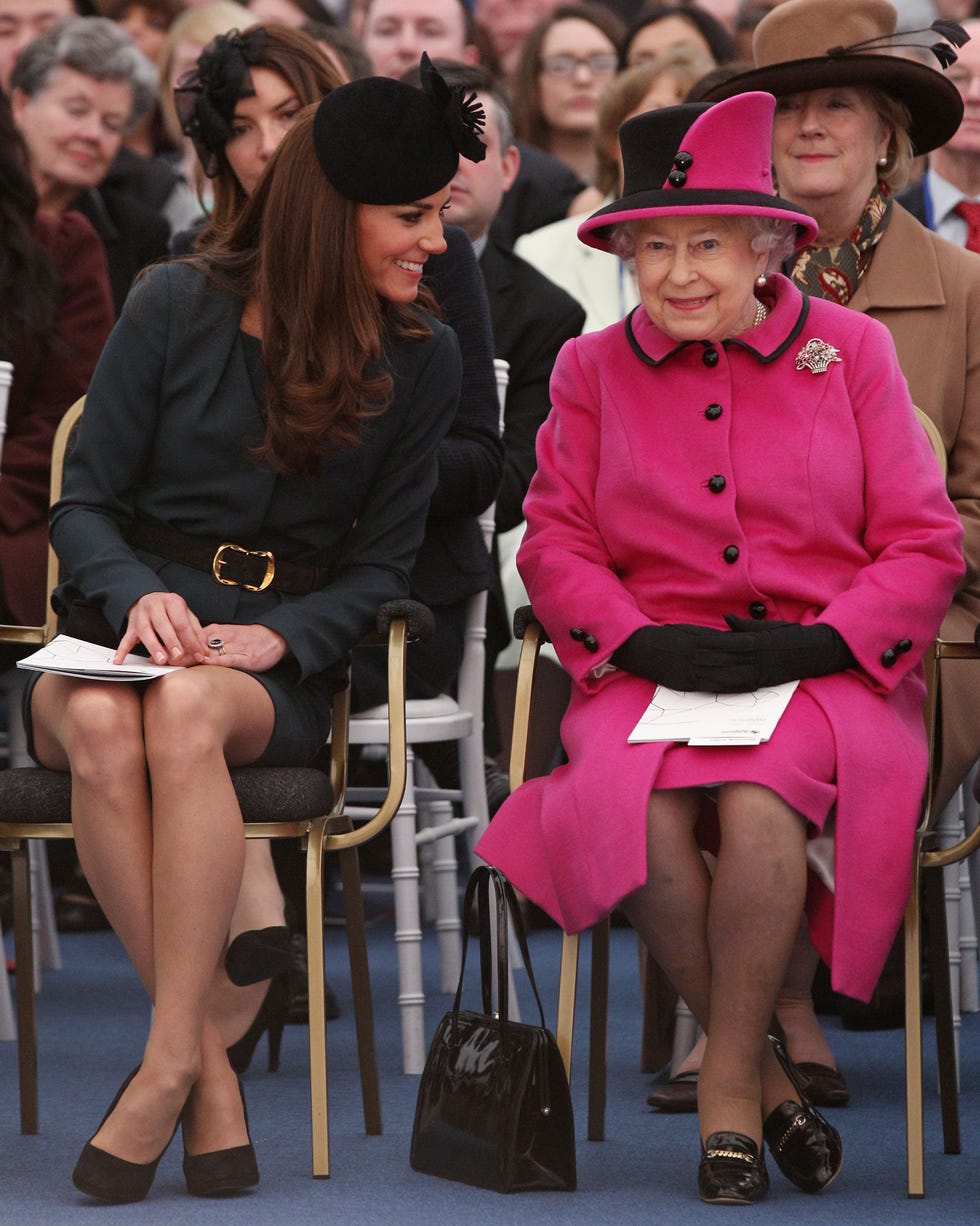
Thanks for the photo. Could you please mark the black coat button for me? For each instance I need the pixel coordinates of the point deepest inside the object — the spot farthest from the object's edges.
(889, 657)
(716, 483)
(577, 633)
(684, 160)
(590, 643)
(903, 645)
(730, 554)
(757, 610)
(677, 178)
(713, 412)
(710, 357)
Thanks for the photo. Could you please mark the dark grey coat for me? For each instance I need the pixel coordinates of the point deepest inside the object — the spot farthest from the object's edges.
(169, 418)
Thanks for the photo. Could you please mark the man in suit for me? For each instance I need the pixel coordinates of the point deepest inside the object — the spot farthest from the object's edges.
(950, 187)
(530, 316)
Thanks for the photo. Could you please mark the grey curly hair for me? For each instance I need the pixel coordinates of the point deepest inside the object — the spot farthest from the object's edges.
(94, 46)
(774, 236)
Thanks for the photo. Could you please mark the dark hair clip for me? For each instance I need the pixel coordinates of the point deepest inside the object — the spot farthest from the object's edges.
(206, 97)
(464, 115)
(951, 32)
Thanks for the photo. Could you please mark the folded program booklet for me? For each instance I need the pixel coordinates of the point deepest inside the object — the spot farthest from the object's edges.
(713, 719)
(76, 658)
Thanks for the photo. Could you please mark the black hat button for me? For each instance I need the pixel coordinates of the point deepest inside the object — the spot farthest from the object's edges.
(889, 657)
(684, 160)
(713, 412)
(730, 554)
(710, 357)
(677, 178)
(716, 483)
(757, 610)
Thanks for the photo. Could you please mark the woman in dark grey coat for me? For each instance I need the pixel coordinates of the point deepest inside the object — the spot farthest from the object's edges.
(287, 395)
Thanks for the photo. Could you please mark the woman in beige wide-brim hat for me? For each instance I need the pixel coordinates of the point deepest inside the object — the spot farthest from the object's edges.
(851, 113)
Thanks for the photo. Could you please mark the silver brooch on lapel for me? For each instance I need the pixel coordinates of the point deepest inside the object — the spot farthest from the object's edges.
(816, 355)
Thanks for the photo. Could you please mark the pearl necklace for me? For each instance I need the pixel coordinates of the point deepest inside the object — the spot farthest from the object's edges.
(760, 313)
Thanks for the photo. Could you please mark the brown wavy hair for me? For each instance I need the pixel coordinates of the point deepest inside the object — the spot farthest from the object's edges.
(294, 249)
(308, 72)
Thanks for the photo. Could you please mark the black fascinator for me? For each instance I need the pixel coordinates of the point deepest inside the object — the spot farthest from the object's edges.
(380, 141)
(207, 96)
(464, 115)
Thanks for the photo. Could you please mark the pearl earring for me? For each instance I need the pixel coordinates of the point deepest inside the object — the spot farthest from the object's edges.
(761, 280)
(883, 162)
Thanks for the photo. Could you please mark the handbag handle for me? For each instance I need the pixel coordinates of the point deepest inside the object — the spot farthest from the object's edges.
(478, 887)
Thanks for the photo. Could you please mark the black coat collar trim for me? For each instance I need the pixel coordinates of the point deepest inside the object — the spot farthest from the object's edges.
(764, 356)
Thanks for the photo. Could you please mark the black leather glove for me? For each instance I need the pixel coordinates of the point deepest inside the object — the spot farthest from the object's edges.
(751, 655)
(788, 652)
(686, 658)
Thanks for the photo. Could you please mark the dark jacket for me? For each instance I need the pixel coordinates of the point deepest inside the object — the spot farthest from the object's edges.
(133, 234)
(532, 318)
(170, 415)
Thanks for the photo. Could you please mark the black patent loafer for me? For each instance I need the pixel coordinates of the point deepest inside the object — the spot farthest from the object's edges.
(732, 1171)
(807, 1147)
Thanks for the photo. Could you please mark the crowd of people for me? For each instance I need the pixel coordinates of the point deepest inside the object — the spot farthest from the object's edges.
(728, 248)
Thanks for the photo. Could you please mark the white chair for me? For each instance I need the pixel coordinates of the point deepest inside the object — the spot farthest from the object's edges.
(424, 822)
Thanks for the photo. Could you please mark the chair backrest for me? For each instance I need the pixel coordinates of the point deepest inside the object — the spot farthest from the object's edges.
(6, 379)
(935, 440)
(472, 671)
(64, 440)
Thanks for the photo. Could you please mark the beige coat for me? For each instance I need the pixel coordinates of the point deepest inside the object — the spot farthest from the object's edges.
(926, 291)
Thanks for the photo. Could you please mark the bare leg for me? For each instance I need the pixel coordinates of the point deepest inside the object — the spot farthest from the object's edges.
(724, 942)
(794, 1006)
(260, 902)
(179, 898)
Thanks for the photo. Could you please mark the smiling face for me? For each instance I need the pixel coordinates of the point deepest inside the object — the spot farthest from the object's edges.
(825, 148)
(577, 62)
(696, 275)
(73, 129)
(259, 124)
(395, 240)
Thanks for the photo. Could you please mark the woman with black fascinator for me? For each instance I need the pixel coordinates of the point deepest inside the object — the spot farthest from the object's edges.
(287, 394)
(237, 105)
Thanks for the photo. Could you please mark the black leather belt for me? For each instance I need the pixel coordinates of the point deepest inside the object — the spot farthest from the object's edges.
(228, 563)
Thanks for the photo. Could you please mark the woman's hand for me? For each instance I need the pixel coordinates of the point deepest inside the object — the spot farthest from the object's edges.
(748, 656)
(166, 627)
(253, 648)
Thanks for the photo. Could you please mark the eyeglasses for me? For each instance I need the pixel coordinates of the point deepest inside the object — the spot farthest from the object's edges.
(599, 65)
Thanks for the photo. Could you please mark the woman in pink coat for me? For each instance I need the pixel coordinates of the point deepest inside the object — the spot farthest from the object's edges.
(732, 492)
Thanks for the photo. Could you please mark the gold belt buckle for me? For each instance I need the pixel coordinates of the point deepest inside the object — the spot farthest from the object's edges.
(270, 566)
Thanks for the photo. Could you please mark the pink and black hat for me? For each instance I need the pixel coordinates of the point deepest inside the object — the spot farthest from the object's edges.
(698, 159)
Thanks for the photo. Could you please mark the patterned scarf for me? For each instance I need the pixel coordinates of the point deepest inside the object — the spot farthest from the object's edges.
(834, 272)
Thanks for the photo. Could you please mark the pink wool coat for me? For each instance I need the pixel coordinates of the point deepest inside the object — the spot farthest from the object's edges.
(832, 509)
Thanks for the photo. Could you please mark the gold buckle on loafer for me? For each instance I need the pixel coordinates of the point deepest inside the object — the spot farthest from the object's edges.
(217, 562)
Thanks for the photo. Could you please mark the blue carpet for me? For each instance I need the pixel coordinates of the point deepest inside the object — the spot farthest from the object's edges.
(92, 1023)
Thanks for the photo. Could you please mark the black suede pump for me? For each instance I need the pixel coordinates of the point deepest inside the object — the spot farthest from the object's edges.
(115, 1180)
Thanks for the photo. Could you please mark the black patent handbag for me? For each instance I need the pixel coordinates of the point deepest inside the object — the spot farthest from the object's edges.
(494, 1109)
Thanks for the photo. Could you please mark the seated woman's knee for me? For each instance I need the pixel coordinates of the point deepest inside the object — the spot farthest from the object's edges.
(103, 730)
(181, 713)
